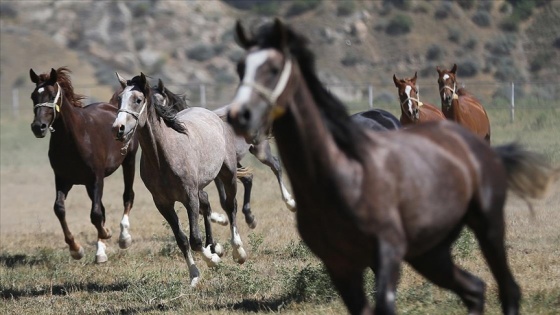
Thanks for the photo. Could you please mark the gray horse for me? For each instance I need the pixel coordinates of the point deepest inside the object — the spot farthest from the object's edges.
(181, 154)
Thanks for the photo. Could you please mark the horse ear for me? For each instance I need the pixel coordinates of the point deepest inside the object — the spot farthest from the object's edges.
(122, 81)
(454, 69)
(160, 87)
(280, 32)
(240, 37)
(144, 82)
(438, 70)
(53, 77)
(413, 80)
(34, 77)
(396, 80)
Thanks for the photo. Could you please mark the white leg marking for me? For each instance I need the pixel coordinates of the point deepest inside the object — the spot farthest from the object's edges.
(100, 255)
(193, 270)
(211, 259)
(239, 254)
(219, 218)
(290, 202)
(125, 240)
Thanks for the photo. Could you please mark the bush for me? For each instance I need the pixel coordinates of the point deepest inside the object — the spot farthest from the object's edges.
(556, 43)
(345, 8)
(442, 12)
(302, 6)
(471, 43)
(468, 68)
(502, 45)
(482, 19)
(267, 8)
(454, 34)
(311, 284)
(466, 4)
(510, 24)
(435, 52)
(400, 24)
(539, 61)
(201, 52)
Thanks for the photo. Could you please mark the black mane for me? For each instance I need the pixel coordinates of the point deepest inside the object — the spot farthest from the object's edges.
(347, 134)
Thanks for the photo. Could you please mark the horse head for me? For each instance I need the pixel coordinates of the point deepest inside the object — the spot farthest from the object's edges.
(133, 101)
(408, 96)
(47, 99)
(447, 82)
(265, 74)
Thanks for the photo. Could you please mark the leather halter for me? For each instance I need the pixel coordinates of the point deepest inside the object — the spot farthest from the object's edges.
(53, 105)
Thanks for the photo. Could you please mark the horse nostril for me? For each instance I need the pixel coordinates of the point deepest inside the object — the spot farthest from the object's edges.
(246, 115)
(121, 128)
(43, 126)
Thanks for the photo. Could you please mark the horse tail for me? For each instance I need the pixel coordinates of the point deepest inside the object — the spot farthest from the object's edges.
(529, 175)
(244, 172)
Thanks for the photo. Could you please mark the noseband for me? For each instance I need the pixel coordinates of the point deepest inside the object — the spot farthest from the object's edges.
(53, 105)
(271, 96)
(455, 96)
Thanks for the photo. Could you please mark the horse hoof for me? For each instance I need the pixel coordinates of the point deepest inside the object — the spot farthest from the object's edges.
(211, 259)
(194, 275)
(194, 282)
(125, 242)
(239, 255)
(253, 224)
(101, 258)
(79, 254)
(108, 234)
(218, 249)
(291, 204)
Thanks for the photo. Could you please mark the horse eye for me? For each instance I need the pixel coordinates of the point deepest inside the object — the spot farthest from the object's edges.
(274, 71)
(138, 101)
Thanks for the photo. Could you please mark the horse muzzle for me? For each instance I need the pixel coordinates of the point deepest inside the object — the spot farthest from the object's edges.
(39, 129)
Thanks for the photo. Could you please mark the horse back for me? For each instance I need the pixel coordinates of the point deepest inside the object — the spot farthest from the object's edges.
(473, 115)
(429, 112)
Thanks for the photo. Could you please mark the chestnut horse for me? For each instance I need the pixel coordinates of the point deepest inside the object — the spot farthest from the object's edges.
(373, 199)
(459, 105)
(412, 110)
(82, 151)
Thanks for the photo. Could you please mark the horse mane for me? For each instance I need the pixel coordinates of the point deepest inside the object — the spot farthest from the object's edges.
(347, 135)
(63, 79)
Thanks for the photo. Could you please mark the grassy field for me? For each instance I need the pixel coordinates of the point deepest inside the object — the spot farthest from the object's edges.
(38, 276)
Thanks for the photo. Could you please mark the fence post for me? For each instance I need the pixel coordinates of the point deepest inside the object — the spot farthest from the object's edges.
(203, 95)
(15, 102)
(370, 96)
(512, 110)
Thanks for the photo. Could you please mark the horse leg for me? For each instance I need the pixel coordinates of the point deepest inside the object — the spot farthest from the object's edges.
(227, 188)
(263, 153)
(128, 166)
(211, 251)
(168, 213)
(387, 272)
(246, 179)
(97, 216)
(62, 189)
(490, 236)
(438, 267)
(350, 285)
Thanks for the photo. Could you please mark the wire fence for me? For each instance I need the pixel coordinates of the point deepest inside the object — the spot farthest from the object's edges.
(507, 96)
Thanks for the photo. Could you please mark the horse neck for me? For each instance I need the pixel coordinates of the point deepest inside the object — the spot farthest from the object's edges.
(307, 148)
(151, 136)
(68, 121)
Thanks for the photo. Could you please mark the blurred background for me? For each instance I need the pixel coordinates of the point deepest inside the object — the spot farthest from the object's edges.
(507, 51)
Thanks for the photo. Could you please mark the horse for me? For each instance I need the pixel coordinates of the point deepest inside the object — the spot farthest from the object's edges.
(82, 152)
(263, 152)
(181, 154)
(376, 119)
(459, 105)
(412, 110)
(373, 199)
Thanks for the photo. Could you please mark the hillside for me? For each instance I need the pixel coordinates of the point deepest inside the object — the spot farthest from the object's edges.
(356, 42)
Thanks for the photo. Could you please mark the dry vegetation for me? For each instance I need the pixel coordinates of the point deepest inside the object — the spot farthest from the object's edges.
(39, 277)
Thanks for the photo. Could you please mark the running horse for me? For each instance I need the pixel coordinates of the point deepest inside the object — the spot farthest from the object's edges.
(412, 110)
(82, 151)
(459, 105)
(181, 154)
(376, 119)
(373, 199)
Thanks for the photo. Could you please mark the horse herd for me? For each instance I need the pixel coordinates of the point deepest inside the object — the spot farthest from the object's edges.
(365, 198)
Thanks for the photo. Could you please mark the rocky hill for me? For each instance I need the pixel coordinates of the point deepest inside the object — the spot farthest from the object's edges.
(356, 42)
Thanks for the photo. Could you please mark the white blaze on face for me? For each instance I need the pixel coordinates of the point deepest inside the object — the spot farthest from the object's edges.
(125, 96)
(445, 76)
(407, 91)
(252, 64)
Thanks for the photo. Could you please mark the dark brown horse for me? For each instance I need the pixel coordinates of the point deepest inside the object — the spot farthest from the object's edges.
(412, 110)
(374, 199)
(82, 151)
(459, 105)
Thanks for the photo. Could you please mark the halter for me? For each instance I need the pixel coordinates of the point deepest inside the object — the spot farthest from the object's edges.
(417, 100)
(136, 116)
(455, 96)
(53, 105)
(271, 96)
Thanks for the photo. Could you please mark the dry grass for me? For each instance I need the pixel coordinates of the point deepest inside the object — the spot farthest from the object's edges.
(39, 277)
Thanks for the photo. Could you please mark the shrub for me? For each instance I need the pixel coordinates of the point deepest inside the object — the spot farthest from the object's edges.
(435, 52)
(442, 12)
(539, 61)
(400, 4)
(301, 6)
(471, 43)
(556, 43)
(510, 24)
(311, 284)
(267, 8)
(469, 68)
(454, 34)
(466, 4)
(201, 52)
(400, 24)
(345, 8)
(482, 19)
(502, 45)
